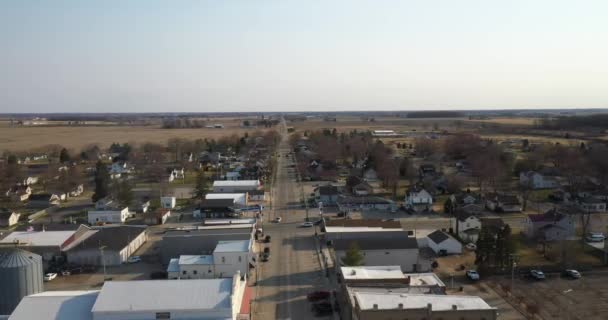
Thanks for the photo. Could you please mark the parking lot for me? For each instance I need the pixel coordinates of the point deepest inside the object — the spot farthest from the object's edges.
(557, 297)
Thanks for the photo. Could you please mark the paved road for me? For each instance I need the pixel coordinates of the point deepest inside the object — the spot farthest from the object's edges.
(293, 269)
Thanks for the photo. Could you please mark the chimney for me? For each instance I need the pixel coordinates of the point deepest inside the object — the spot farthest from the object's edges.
(375, 306)
(400, 306)
(454, 307)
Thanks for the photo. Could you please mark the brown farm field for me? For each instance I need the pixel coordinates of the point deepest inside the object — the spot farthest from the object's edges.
(77, 137)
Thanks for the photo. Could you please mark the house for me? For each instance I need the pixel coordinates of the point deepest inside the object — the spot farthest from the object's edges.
(141, 206)
(160, 216)
(370, 175)
(109, 214)
(555, 224)
(31, 180)
(503, 202)
(418, 199)
(592, 204)
(256, 195)
(113, 244)
(328, 195)
(464, 198)
(216, 208)
(536, 180)
(104, 203)
(43, 200)
(77, 191)
(358, 187)
(8, 218)
(467, 226)
(118, 168)
(19, 193)
(441, 242)
(426, 170)
(224, 186)
(238, 199)
(399, 250)
(168, 202)
(176, 174)
(347, 204)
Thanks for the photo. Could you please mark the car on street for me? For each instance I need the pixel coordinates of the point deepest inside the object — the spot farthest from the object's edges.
(265, 256)
(277, 220)
(572, 274)
(471, 246)
(595, 237)
(318, 295)
(537, 274)
(134, 259)
(50, 276)
(307, 224)
(472, 275)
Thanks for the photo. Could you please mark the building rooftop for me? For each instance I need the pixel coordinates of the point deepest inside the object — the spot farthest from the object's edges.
(372, 243)
(233, 246)
(39, 238)
(188, 259)
(56, 305)
(236, 183)
(375, 223)
(164, 295)
(383, 301)
(112, 237)
(217, 203)
(220, 222)
(372, 272)
(438, 236)
(234, 196)
(424, 279)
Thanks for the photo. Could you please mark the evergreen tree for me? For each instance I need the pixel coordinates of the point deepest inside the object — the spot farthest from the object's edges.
(353, 256)
(202, 186)
(64, 156)
(123, 193)
(102, 180)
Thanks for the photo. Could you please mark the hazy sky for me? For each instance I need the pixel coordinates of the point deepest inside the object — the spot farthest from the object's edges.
(255, 55)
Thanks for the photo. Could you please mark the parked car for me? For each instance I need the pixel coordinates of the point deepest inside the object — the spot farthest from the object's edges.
(471, 246)
(307, 224)
(473, 275)
(134, 259)
(537, 274)
(595, 237)
(318, 295)
(571, 273)
(50, 276)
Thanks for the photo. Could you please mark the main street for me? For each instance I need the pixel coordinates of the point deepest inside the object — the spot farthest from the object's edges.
(293, 269)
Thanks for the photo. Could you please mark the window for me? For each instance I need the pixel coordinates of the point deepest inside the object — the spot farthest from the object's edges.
(240, 259)
(223, 259)
(195, 272)
(184, 272)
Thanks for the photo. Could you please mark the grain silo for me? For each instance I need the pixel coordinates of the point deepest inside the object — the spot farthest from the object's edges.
(21, 274)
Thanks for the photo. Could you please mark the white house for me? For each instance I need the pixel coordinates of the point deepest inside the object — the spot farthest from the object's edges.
(441, 242)
(168, 202)
(240, 199)
(535, 180)
(110, 214)
(418, 199)
(467, 226)
(30, 181)
(226, 186)
(8, 218)
(176, 174)
(78, 190)
(552, 225)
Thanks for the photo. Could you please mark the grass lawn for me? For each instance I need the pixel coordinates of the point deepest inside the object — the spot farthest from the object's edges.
(572, 252)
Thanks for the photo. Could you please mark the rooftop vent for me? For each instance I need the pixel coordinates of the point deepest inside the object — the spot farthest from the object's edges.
(375, 306)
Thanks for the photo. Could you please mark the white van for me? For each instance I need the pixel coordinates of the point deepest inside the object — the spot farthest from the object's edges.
(595, 237)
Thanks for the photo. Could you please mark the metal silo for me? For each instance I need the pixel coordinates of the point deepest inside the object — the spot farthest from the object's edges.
(21, 274)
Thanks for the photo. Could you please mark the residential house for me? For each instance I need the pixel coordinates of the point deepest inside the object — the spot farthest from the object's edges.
(31, 180)
(43, 200)
(77, 191)
(168, 202)
(592, 204)
(118, 168)
(467, 226)
(347, 204)
(426, 170)
(503, 202)
(111, 213)
(8, 218)
(370, 175)
(328, 195)
(442, 243)
(555, 224)
(19, 193)
(176, 174)
(358, 186)
(536, 180)
(418, 199)
(399, 250)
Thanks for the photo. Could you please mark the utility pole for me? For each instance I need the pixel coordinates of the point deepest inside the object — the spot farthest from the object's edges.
(513, 266)
(103, 262)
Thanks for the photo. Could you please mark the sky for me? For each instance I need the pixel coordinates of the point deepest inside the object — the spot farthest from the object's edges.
(312, 55)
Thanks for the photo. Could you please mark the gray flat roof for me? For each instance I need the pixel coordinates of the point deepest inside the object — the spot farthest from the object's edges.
(367, 300)
(56, 305)
(164, 295)
(232, 246)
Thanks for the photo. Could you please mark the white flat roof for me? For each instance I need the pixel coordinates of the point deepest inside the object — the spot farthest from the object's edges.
(164, 295)
(56, 305)
(228, 221)
(359, 229)
(367, 300)
(372, 272)
(234, 196)
(233, 246)
(424, 279)
(39, 238)
(235, 183)
(188, 259)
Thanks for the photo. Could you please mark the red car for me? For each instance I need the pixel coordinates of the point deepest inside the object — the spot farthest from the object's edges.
(318, 295)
